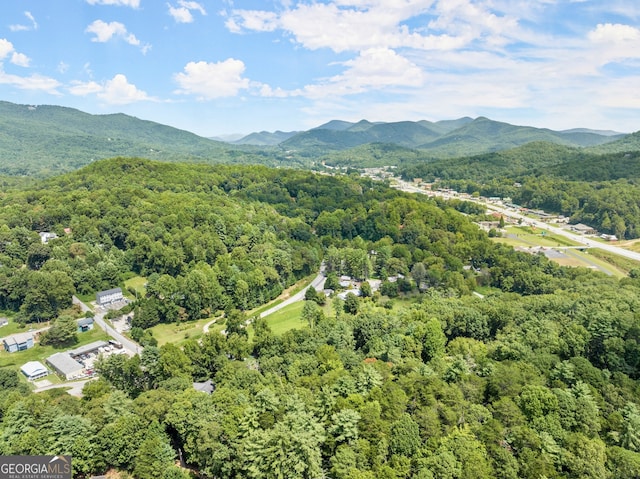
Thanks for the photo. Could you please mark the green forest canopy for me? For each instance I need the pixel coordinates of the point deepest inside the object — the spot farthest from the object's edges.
(537, 379)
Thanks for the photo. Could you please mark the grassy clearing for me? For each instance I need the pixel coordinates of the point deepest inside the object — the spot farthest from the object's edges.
(40, 353)
(589, 259)
(178, 333)
(288, 318)
(623, 264)
(12, 327)
(137, 283)
(530, 238)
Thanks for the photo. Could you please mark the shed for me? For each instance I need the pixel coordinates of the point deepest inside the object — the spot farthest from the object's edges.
(85, 324)
(3, 322)
(34, 370)
(66, 366)
(18, 342)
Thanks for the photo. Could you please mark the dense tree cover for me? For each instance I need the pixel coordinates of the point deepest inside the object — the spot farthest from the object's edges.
(213, 238)
(539, 379)
(507, 386)
(599, 190)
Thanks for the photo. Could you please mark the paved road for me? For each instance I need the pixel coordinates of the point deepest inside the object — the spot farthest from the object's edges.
(316, 283)
(75, 387)
(585, 240)
(132, 347)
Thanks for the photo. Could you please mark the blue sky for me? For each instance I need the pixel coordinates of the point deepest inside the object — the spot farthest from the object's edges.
(236, 66)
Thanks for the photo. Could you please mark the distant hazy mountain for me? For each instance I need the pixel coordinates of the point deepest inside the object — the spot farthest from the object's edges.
(265, 138)
(623, 144)
(45, 139)
(449, 138)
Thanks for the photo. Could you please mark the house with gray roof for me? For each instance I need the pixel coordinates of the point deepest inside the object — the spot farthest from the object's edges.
(18, 342)
(93, 347)
(109, 296)
(85, 324)
(66, 366)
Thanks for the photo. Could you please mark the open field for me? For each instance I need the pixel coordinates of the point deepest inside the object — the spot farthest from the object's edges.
(289, 317)
(13, 327)
(528, 237)
(177, 333)
(137, 283)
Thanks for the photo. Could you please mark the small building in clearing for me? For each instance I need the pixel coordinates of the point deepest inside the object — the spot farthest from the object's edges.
(18, 342)
(34, 370)
(85, 324)
(3, 322)
(66, 366)
(109, 296)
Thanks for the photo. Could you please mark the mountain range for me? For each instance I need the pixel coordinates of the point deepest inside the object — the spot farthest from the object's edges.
(44, 140)
(448, 138)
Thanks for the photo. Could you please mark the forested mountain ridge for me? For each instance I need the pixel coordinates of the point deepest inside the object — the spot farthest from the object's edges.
(601, 190)
(43, 140)
(439, 139)
(539, 378)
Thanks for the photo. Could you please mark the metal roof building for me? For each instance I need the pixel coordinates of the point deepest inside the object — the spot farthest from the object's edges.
(66, 366)
(34, 370)
(87, 348)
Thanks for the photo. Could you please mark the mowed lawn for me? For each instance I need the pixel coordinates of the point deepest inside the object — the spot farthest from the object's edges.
(288, 318)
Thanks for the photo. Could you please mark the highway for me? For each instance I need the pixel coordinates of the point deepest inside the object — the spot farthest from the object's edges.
(585, 240)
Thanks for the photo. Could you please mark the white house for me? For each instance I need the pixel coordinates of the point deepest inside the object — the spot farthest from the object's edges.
(34, 370)
(109, 296)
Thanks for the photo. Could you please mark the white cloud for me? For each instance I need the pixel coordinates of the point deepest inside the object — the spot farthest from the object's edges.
(375, 68)
(104, 32)
(20, 28)
(7, 48)
(212, 80)
(182, 13)
(32, 82)
(85, 88)
(123, 3)
(20, 59)
(355, 25)
(256, 20)
(117, 91)
(614, 34)
(613, 43)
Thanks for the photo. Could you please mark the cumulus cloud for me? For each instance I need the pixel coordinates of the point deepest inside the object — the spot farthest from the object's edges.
(122, 3)
(613, 43)
(20, 59)
(182, 13)
(20, 27)
(7, 50)
(209, 81)
(117, 91)
(104, 32)
(374, 68)
(614, 34)
(355, 25)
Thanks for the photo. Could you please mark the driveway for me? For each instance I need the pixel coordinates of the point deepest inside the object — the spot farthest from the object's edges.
(132, 347)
